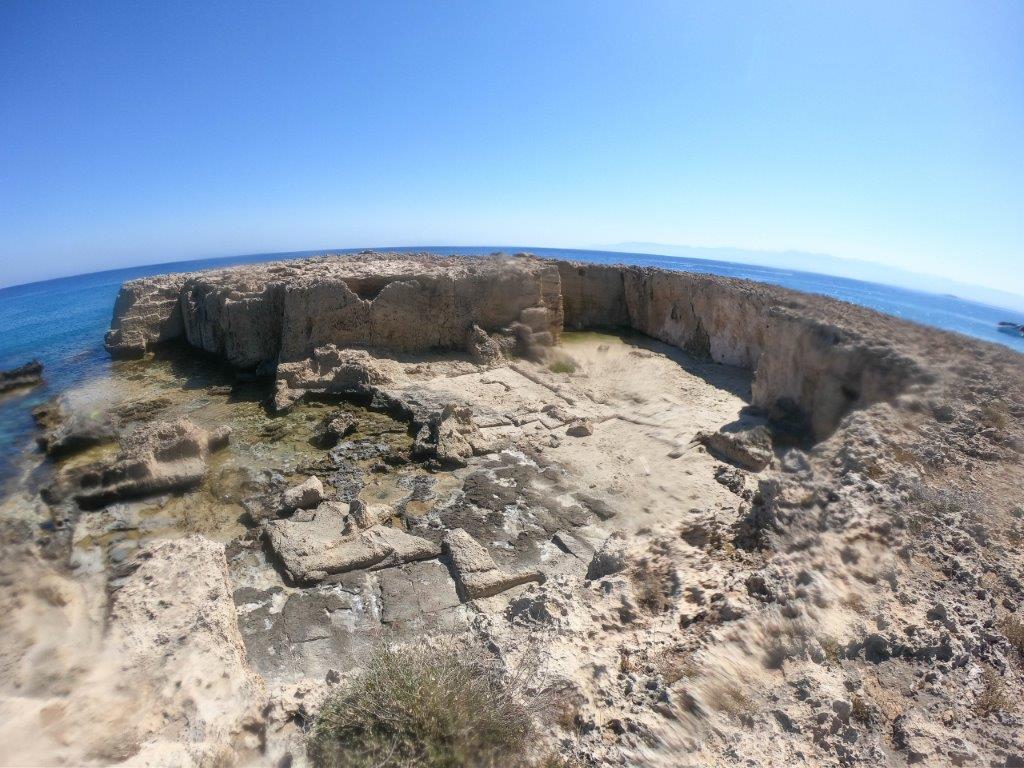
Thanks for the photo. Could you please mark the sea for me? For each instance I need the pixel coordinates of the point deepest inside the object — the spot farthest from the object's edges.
(61, 322)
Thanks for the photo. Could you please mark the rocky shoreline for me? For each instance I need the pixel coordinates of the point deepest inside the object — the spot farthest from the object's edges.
(722, 523)
(23, 377)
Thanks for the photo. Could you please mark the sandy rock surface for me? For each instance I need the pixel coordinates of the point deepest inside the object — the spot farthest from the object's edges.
(719, 523)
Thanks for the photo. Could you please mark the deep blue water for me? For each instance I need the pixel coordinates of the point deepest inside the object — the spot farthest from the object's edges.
(61, 322)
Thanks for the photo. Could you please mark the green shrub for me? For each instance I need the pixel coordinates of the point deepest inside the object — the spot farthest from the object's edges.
(562, 365)
(423, 707)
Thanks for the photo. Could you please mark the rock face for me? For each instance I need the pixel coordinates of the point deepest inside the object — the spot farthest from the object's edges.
(824, 356)
(146, 312)
(28, 375)
(284, 311)
(315, 548)
(167, 456)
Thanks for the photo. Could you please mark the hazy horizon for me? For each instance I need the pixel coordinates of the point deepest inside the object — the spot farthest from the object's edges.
(777, 260)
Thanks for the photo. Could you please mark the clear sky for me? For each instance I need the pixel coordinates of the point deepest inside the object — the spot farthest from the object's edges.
(139, 132)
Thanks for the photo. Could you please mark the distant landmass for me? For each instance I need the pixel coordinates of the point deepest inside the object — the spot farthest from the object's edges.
(832, 265)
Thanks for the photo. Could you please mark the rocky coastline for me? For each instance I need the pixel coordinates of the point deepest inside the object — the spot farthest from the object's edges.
(23, 377)
(721, 522)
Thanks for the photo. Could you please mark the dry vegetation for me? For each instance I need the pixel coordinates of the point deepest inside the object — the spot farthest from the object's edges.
(993, 697)
(1013, 628)
(428, 708)
(655, 585)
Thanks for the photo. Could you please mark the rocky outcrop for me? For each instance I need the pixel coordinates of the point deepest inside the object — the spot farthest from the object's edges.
(66, 428)
(147, 312)
(166, 456)
(282, 312)
(476, 572)
(814, 358)
(332, 428)
(28, 375)
(324, 543)
(451, 437)
(328, 371)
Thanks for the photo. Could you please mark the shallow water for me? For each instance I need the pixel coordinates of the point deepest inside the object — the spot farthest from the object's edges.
(184, 385)
(62, 322)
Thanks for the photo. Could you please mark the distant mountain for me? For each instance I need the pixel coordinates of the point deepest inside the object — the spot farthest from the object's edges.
(832, 265)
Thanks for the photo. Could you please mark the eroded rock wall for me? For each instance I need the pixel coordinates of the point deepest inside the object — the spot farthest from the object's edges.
(263, 314)
(593, 296)
(147, 312)
(801, 354)
(812, 356)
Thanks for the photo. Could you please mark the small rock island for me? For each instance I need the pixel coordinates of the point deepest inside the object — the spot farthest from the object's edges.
(715, 521)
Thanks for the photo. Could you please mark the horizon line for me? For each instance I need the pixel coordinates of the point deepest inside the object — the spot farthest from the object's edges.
(605, 249)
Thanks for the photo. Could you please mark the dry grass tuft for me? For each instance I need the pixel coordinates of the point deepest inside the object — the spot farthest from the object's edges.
(831, 648)
(732, 699)
(674, 666)
(995, 414)
(655, 585)
(861, 711)
(1013, 628)
(993, 697)
(424, 708)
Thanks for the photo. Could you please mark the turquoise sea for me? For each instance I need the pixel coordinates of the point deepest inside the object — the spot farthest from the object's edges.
(61, 322)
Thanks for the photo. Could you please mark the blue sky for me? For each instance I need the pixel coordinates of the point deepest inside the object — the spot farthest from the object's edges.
(140, 132)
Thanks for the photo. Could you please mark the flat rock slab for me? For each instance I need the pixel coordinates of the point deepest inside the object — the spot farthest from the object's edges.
(475, 570)
(318, 547)
(418, 597)
(307, 633)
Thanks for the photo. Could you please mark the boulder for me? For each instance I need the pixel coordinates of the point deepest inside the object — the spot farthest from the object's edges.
(28, 375)
(580, 428)
(451, 437)
(476, 572)
(67, 428)
(746, 447)
(166, 456)
(481, 347)
(610, 558)
(329, 371)
(317, 546)
(332, 428)
(306, 495)
(362, 515)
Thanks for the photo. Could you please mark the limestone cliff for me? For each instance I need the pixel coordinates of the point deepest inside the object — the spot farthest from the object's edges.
(280, 312)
